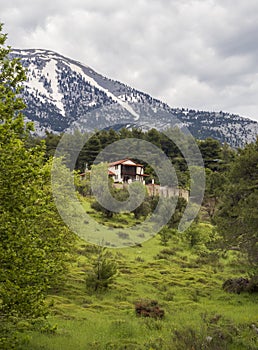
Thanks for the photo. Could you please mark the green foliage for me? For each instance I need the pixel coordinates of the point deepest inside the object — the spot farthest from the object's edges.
(190, 294)
(217, 179)
(90, 151)
(197, 182)
(33, 240)
(144, 208)
(215, 183)
(211, 153)
(178, 213)
(51, 141)
(166, 234)
(103, 271)
(100, 139)
(200, 235)
(193, 235)
(102, 188)
(237, 217)
(82, 183)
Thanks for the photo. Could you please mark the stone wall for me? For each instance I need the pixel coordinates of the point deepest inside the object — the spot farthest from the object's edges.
(167, 192)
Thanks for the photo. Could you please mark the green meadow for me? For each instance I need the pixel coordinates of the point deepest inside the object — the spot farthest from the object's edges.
(185, 280)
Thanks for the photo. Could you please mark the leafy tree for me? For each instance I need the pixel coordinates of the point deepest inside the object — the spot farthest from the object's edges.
(197, 183)
(201, 236)
(169, 147)
(237, 218)
(33, 239)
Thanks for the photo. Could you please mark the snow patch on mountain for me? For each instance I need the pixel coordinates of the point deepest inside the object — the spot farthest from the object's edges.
(50, 70)
(125, 105)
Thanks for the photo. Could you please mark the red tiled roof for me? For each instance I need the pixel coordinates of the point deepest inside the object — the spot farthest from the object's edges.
(125, 160)
(118, 162)
(111, 173)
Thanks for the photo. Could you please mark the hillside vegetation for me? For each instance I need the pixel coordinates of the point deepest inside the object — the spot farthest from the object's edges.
(185, 280)
(193, 290)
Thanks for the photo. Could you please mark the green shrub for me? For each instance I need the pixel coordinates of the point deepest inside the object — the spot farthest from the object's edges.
(166, 234)
(200, 234)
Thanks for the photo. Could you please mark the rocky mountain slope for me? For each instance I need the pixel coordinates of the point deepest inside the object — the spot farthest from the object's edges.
(63, 94)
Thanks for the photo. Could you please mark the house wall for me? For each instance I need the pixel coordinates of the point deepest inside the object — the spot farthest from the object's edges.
(116, 169)
(139, 170)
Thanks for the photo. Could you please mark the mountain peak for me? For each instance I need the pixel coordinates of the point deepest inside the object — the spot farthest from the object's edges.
(62, 93)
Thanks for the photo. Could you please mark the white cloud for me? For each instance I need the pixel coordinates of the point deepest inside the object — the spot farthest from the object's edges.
(191, 53)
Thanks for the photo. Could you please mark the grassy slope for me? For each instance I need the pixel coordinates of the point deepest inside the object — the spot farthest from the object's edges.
(187, 288)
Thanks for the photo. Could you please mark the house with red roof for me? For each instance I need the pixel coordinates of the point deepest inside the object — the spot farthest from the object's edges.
(126, 171)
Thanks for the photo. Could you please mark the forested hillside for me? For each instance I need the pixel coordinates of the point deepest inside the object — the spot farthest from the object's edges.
(195, 289)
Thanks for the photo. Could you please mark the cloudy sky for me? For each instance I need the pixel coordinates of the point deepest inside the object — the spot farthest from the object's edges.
(200, 54)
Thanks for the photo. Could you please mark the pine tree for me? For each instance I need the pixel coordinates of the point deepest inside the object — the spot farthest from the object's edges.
(103, 271)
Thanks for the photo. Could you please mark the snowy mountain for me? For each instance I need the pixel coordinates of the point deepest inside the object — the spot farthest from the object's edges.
(63, 94)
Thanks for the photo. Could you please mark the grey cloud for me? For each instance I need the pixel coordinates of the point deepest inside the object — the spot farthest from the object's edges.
(242, 42)
(199, 54)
